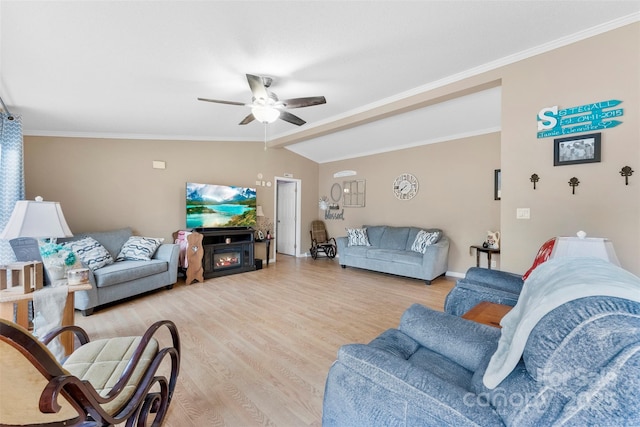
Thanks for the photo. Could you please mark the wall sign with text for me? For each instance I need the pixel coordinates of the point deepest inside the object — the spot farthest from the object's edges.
(583, 118)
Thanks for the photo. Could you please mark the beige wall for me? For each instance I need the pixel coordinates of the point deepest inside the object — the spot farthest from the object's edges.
(109, 183)
(597, 69)
(455, 192)
(456, 177)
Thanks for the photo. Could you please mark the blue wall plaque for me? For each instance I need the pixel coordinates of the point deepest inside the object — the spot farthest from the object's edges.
(583, 118)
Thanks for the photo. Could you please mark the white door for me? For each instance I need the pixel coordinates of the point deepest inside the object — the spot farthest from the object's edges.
(286, 217)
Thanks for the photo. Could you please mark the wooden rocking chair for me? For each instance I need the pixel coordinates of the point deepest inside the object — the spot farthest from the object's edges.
(102, 383)
(320, 241)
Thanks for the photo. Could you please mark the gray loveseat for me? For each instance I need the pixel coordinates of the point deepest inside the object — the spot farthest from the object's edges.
(389, 251)
(124, 279)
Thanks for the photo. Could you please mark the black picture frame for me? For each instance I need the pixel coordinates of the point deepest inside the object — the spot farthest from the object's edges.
(497, 184)
(578, 149)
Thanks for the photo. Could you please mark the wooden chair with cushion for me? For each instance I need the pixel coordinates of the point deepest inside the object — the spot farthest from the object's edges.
(103, 382)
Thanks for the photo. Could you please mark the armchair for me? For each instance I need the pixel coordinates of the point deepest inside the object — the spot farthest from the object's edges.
(568, 354)
(103, 382)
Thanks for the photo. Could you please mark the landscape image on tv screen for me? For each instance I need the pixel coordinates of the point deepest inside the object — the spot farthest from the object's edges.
(212, 206)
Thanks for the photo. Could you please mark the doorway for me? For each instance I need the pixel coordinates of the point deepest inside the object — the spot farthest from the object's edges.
(287, 216)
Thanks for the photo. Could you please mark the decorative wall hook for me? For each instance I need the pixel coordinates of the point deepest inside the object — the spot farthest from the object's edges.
(573, 183)
(626, 172)
(534, 178)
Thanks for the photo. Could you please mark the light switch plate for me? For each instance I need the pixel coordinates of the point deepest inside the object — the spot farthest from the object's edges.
(523, 213)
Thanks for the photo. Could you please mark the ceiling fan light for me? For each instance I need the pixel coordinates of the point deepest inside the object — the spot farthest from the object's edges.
(265, 114)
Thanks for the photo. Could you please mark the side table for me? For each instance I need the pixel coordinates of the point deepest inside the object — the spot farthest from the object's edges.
(488, 251)
(267, 245)
(14, 296)
(487, 313)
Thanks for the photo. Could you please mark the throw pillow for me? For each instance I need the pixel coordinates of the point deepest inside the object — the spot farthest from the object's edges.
(357, 237)
(90, 252)
(424, 239)
(543, 255)
(138, 248)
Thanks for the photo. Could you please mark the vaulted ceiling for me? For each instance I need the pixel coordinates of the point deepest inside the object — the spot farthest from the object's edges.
(134, 69)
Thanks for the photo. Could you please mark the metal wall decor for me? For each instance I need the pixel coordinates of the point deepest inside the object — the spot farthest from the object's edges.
(626, 172)
(573, 183)
(534, 178)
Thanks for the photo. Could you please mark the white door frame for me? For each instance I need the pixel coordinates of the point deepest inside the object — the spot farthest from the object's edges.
(298, 211)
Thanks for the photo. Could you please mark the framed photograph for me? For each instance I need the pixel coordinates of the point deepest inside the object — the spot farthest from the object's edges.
(576, 149)
(497, 184)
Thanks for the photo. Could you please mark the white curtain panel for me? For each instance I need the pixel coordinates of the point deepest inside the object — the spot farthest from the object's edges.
(11, 176)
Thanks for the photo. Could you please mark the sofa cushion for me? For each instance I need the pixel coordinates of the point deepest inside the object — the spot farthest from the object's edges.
(395, 238)
(90, 252)
(357, 237)
(374, 232)
(402, 257)
(139, 248)
(124, 271)
(424, 239)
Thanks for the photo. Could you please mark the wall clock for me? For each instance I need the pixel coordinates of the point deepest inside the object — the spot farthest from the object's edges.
(405, 186)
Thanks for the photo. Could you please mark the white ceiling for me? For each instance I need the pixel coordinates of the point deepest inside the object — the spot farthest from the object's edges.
(133, 69)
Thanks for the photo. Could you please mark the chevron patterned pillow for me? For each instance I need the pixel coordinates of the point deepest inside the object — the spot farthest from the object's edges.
(357, 237)
(424, 239)
(90, 252)
(138, 248)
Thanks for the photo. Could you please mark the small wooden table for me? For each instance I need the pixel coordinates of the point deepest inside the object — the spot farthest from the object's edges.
(14, 296)
(487, 313)
(488, 251)
(267, 246)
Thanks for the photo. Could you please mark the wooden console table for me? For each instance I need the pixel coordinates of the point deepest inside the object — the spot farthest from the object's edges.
(488, 251)
(14, 296)
(487, 313)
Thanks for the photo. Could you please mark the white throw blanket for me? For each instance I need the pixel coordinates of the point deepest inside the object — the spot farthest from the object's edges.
(48, 308)
(550, 285)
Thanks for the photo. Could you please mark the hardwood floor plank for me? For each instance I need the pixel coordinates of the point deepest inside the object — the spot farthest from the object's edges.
(257, 346)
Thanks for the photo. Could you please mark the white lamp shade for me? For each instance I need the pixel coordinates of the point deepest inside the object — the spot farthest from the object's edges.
(265, 114)
(36, 219)
(585, 247)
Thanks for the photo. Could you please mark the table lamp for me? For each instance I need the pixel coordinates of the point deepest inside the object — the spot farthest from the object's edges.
(37, 219)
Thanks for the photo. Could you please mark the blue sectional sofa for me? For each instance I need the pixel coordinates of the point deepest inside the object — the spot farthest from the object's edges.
(568, 354)
(124, 279)
(389, 251)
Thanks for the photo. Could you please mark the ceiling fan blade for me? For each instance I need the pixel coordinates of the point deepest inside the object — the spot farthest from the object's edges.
(221, 102)
(304, 102)
(288, 117)
(247, 119)
(257, 87)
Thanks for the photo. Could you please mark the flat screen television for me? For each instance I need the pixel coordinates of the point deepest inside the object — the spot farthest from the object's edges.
(220, 206)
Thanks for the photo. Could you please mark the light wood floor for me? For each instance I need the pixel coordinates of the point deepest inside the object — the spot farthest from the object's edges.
(257, 346)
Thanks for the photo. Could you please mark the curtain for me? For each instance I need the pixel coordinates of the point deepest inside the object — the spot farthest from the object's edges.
(11, 175)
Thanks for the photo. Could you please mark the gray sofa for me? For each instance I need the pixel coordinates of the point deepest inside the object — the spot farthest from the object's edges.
(124, 279)
(389, 251)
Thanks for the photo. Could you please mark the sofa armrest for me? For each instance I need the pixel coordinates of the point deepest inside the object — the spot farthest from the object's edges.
(370, 386)
(169, 252)
(465, 342)
(341, 242)
(496, 279)
(435, 260)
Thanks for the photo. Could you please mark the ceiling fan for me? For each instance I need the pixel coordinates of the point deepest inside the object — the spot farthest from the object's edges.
(265, 105)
